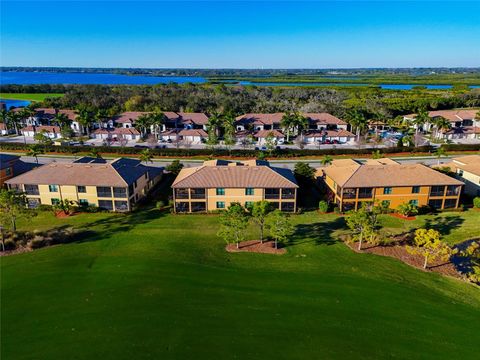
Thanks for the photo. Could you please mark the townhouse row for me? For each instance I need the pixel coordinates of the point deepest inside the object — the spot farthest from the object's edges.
(187, 127)
(216, 184)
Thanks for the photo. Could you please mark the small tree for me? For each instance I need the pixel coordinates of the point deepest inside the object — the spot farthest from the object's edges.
(270, 142)
(146, 156)
(472, 252)
(63, 205)
(376, 154)
(175, 167)
(279, 226)
(476, 202)
(13, 205)
(35, 150)
(304, 173)
(233, 223)
(259, 211)
(361, 223)
(94, 153)
(407, 209)
(428, 244)
(323, 206)
(440, 152)
(327, 160)
(42, 138)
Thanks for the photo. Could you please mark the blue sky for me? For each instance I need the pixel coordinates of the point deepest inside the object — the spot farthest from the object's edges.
(325, 34)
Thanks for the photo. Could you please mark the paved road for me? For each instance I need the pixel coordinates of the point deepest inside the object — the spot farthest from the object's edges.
(45, 159)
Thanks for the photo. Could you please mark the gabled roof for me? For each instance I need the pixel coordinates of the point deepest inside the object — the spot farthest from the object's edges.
(196, 118)
(119, 172)
(47, 128)
(353, 175)
(324, 118)
(469, 163)
(193, 132)
(328, 133)
(6, 160)
(260, 119)
(266, 133)
(234, 175)
(129, 116)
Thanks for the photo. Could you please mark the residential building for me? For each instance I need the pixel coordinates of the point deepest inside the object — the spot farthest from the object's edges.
(52, 131)
(218, 183)
(339, 136)
(257, 122)
(350, 183)
(467, 169)
(7, 164)
(114, 186)
(262, 135)
(127, 119)
(464, 124)
(325, 121)
(115, 134)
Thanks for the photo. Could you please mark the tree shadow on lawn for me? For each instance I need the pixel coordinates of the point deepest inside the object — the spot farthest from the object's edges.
(444, 224)
(118, 223)
(320, 233)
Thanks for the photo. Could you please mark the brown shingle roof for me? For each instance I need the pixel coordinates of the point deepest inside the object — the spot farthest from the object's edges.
(469, 163)
(129, 116)
(193, 132)
(208, 176)
(266, 133)
(324, 118)
(259, 119)
(47, 128)
(196, 118)
(387, 175)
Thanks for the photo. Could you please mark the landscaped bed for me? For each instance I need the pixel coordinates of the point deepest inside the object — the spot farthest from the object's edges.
(268, 247)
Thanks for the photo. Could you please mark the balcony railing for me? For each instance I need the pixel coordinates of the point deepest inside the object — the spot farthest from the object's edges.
(272, 196)
(437, 193)
(349, 194)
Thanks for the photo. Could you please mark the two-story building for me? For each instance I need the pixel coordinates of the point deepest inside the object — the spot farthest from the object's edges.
(218, 183)
(467, 169)
(114, 186)
(350, 183)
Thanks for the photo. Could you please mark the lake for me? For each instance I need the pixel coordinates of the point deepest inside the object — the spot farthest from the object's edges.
(27, 78)
(14, 103)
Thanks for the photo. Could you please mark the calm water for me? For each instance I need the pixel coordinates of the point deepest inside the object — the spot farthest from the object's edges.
(14, 103)
(25, 78)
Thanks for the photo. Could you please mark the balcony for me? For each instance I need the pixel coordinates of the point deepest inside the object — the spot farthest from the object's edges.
(272, 194)
(197, 193)
(119, 192)
(349, 193)
(288, 193)
(437, 190)
(453, 190)
(104, 191)
(365, 193)
(32, 190)
(181, 194)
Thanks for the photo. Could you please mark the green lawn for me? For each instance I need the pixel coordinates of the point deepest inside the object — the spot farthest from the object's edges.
(152, 285)
(28, 97)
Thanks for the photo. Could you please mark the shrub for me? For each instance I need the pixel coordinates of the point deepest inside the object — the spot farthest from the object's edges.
(476, 202)
(407, 209)
(38, 242)
(323, 206)
(160, 204)
(10, 245)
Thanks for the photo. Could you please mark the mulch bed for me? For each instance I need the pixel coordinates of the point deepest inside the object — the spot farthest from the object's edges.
(268, 247)
(18, 250)
(400, 252)
(400, 216)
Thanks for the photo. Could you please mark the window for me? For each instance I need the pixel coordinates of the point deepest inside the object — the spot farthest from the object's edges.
(453, 190)
(181, 193)
(53, 188)
(119, 192)
(197, 193)
(248, 204)
(220, 191)
(31, 189)
(288, 193)
(104, 191)
(275, 204)
(199, 206)
(415, 189)
(135, 184)
(387, 190)
(8, 171)
(182, 206)
(105, 204)
(55, 201)
(220, 204)
(249, 191)
(81, 189)
(83, 202)
(414, 202)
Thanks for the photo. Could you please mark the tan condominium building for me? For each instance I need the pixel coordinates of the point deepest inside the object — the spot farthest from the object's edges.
(115, 186)
(218, 183)
(350, 183)
(467, 169)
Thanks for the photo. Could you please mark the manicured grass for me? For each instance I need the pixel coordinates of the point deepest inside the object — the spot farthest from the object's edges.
(159, 286)
(29, 97)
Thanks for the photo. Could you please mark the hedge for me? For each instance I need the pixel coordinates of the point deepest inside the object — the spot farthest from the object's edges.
(278, 153)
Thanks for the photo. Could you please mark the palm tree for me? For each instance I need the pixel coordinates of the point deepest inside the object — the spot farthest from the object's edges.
(12, 120)
(34, 151)
(85, 118)
(358, 122)
(441, 124)
(94, 153)
(420, 120)
(287, 123)
(213, 128)
(143, 123)
(440, 152)
(157, 119)
(146, 156)
(62, 120)
(300, 123)
(327, 160)
(229, 126)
